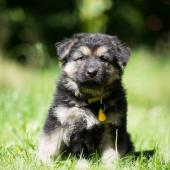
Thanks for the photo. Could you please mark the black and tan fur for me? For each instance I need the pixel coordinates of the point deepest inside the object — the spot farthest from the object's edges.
(92, 67)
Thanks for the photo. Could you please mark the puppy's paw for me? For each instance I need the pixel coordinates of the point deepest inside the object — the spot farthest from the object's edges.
(109, 157)
(68, 115)
(82, 164)
(44, 158)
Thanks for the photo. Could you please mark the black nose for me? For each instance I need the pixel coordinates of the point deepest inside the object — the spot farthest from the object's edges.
(91, 72)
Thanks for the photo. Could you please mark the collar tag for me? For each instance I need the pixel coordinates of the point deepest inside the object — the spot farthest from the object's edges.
(101, 115)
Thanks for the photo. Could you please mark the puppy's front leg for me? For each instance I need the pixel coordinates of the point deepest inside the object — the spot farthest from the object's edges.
(109, 152)
(73, 119)
(115, 144)
(50, 139)
(55, 131)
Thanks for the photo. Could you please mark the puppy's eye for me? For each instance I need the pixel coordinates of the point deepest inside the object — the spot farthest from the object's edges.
(105, 59)
(79, 58)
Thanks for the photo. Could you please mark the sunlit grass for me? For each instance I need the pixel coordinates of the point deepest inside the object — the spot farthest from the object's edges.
(25, 95)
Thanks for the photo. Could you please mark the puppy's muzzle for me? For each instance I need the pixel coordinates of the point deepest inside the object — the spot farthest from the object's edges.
(91, 72)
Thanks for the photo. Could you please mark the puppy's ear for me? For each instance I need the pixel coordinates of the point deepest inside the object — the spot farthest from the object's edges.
(64, 47)
(122, 52)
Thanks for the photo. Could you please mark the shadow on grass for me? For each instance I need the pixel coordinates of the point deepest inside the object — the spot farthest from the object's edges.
(146, 154)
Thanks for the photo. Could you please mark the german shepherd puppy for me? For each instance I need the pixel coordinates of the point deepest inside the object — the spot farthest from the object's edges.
(89, 109)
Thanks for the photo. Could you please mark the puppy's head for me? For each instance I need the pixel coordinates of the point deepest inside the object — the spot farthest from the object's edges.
(93, 61)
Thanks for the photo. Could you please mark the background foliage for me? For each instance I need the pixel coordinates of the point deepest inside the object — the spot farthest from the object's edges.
(29, 29)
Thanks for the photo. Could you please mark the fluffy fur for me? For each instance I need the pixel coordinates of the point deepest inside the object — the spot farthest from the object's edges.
(92, 68)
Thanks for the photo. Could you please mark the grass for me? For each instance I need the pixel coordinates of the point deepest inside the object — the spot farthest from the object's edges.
(25, 95)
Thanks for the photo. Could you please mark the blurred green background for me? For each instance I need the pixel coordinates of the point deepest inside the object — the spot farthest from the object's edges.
(29, 29)
(29, 70)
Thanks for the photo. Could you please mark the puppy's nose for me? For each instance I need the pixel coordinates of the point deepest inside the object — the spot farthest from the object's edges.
(91, 72)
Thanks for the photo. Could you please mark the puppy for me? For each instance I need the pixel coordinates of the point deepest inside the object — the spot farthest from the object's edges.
(88, 112)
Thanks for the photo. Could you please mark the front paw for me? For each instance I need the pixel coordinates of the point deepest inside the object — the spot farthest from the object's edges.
(44, 156)
(109, 157)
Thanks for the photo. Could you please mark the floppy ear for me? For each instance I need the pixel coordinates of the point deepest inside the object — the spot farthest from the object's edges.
(122, 52)
(64, 47)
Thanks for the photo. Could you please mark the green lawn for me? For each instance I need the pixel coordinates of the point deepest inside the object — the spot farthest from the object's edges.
(25, 95)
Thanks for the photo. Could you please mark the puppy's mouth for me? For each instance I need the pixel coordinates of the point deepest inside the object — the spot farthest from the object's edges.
(91, 84)
(91, 88)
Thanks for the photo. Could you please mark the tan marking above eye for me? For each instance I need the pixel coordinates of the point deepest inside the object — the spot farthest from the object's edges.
(85, 50)
(101, 51)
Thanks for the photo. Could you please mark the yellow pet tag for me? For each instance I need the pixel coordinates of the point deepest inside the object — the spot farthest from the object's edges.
(101, 116)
